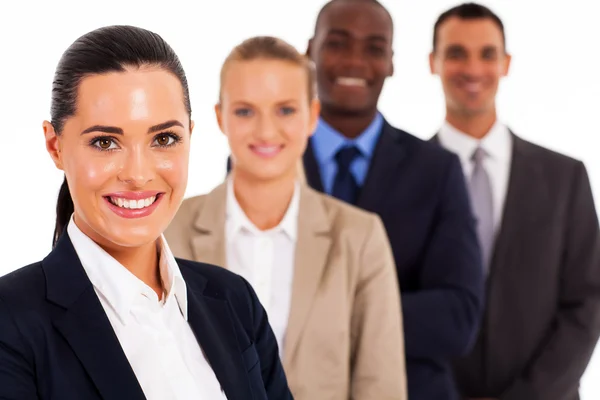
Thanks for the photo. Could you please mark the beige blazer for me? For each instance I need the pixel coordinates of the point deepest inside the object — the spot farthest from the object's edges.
(344, 338)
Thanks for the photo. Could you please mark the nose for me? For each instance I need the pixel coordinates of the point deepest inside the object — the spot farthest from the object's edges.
(137, 167)
(473, 67)
(268, 128)
(355, 58)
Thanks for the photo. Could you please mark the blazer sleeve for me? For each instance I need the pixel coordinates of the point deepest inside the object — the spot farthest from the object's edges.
(273, 375)
(555, 372)
(17, 379)
(377, 354)
(442, 319)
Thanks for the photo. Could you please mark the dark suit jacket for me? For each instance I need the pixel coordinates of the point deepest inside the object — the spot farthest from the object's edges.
(56, 341)
(418, 189)
(542, 317)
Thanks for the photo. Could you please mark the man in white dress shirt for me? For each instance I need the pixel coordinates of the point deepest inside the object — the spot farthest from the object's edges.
(536, 222)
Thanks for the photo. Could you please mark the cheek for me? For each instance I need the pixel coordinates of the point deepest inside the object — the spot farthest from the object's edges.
(90, 171)
(173, 170)
(496, 73)
(239, 132)
(450, 75)
(296, 131)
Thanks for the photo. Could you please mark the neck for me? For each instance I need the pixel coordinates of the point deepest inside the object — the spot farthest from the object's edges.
(351, 125)
(264, 202)
(141, 261)
(476, 126)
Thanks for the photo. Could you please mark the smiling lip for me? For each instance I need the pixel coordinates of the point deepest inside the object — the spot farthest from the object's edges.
(133, 204)
(266, 151)
(351, 82)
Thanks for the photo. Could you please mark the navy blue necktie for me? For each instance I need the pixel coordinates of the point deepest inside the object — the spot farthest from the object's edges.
(344, 185)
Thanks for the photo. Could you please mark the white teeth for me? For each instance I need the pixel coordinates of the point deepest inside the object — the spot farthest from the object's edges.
(266, 149)
(132, 204)
(348, 81)
(472, 87)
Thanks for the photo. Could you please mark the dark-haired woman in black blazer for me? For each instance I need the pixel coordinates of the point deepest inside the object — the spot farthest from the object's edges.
(110, 313)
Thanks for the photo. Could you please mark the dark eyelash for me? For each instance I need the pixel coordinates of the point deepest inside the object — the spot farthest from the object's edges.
(177, 139)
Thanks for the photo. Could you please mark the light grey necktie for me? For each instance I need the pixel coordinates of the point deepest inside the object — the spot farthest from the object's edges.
(480, 189)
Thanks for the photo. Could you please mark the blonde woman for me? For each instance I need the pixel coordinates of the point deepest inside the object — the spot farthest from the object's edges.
(322, 269)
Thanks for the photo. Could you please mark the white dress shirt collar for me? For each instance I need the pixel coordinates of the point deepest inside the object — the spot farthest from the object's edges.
(239, 220)
(497, 143)
(117, 284)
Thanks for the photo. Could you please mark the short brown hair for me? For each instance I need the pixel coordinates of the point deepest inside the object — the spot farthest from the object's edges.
(271, 48)
(468, 11)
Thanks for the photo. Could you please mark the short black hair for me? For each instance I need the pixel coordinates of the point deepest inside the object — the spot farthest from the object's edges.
(468, 11)
(331, 2)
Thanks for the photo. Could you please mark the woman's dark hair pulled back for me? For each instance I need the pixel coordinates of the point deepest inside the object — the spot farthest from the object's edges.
(107, 49)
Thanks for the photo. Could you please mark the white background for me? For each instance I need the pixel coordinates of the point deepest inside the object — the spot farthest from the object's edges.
(552, 95)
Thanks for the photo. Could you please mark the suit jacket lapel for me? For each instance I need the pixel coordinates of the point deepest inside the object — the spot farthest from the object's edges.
(85, 326)
(208, 244)
(312, 252)
(214, 329)
(387, 158)
(311, 169)
(524, 207)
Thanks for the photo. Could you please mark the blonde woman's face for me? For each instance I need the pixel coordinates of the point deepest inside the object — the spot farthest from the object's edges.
(267, 116)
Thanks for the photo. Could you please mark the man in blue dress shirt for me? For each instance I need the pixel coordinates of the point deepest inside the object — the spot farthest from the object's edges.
(416, 187)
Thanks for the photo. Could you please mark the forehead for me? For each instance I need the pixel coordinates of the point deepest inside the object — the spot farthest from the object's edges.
(357, 19)
(143, 95)
(264, 81)
(469, 33)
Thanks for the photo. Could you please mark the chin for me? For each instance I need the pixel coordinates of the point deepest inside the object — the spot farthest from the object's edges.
(132, 233)
(132, 238)
(344, 106)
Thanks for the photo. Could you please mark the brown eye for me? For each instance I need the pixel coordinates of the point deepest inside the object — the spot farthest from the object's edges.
(162, 140)
(166, 139)
(104, 144)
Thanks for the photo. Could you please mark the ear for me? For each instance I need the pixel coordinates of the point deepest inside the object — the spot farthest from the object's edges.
(315, 110)
(432, 63)
(506, 66)
(53, 144)
(192, 124)
(219, 115)
(391, 73)
(309, 48)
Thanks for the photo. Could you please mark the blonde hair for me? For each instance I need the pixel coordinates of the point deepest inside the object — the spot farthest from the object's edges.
(270, 48)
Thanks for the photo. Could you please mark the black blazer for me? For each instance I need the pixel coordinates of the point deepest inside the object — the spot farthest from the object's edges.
(542, 317)
(419, 191)
(56, 341)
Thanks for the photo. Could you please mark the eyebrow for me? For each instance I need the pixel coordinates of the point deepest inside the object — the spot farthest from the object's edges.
(118, 131)
(454, 47)
(342, 32)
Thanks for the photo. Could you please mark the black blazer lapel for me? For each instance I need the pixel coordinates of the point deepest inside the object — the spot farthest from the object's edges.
(311, 168)
(215, 331)
(84, 324)
(383, 172)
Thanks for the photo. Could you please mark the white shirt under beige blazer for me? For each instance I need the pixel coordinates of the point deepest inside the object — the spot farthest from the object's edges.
(342, 335)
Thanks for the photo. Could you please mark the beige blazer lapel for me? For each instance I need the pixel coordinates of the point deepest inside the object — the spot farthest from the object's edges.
(312, 252)
(208, 242)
